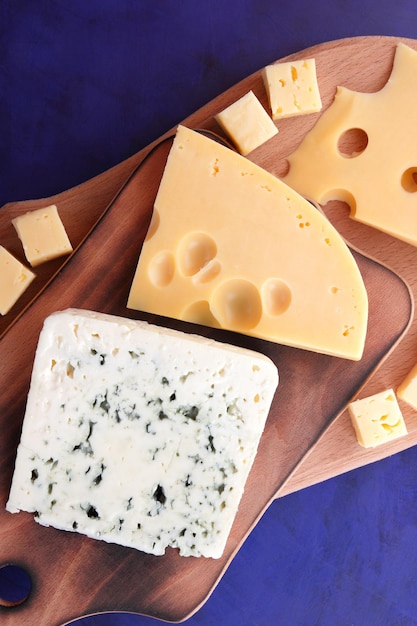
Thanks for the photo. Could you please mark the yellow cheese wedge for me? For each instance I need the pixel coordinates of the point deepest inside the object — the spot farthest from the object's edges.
(15, 278)
(231, 246)
(292, 88)
(376, 175)
(247, 123)
(42, 234)
(407, 390)
(377, 419)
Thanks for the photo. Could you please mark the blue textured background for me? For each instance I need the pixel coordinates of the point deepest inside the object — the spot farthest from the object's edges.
(86, 83)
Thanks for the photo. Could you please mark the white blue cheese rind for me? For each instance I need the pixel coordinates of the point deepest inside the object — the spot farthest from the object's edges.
(139, 435)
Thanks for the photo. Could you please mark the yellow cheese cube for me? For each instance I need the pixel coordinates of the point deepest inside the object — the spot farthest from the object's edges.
(292, 88)
(42, 234)
(407, 391)
(14, 280)
(247, 123)
(377, 419)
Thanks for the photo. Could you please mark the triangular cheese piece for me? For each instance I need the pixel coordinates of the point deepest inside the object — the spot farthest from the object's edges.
(232, 246)
(378, 178)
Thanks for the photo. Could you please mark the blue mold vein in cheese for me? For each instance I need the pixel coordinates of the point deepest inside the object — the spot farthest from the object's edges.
(139, 435)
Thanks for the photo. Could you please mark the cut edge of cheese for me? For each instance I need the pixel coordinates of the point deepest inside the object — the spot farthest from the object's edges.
(233, 247)
(139, 435)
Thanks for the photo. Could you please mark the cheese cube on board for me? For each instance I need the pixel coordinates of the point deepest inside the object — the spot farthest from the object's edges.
(247, 123)
(139, 435)
(42, 234)
(15, 278)
(292, 88)
(377, 419)
(407, 390)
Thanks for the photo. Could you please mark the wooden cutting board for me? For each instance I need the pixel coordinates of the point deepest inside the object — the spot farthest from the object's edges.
(308, 436)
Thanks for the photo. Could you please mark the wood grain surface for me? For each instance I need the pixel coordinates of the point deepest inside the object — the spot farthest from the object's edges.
(308, 437)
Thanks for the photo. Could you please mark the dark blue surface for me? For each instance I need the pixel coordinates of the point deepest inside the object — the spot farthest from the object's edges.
(83, 85)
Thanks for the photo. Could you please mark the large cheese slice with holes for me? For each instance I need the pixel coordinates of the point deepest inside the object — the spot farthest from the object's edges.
(362, 151)
(231, 246)
(139, 435)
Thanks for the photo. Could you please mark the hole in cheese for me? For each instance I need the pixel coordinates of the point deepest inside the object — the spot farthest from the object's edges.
(409, 180)
(276, 296)
(69, 370)
(237, 304)
(199, 313)
(196, 250)
(207, 273)
(154, 225)
(161, 269)
(342, 197)
(352, 142)
(281, 168)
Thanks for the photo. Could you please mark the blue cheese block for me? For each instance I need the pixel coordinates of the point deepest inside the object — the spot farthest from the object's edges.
(139, 435)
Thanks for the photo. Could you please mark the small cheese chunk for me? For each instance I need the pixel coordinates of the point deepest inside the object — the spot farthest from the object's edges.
(15, 278)
(377, 419)
(247, 123)
(139, 435)
(361, 152)
(407, 391)
(292, 88)
(231, 246)
(42, 234)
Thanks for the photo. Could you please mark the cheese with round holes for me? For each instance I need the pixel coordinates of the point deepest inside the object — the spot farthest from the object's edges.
(139, 435)
(232, 246)
(377, 177)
